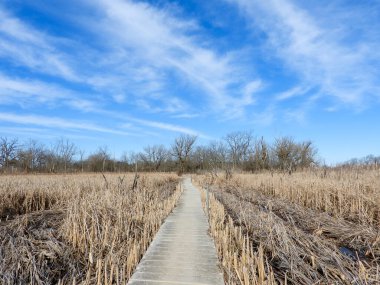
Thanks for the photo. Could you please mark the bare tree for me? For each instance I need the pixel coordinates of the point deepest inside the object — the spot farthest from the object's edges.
(34, 156)
(8, 151)
(291, 155)
(217, 155)
(49, 158)
(81, 157)
(259, 156)
(129, 160)
(181, 150)
(238, 145)
(65, 151)
(98, 160)
(285, 151)
(104, 156)
(154, 156)
(200, 158)
(307, 153)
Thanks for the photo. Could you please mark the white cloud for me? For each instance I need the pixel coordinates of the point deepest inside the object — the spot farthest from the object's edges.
(331, 109)
(28, 47)
(165, 44)
(162, 105)
(14, 89)
(170, 127)
(249, 91)
(293, 92)
(25, 132)
(265, 117)
(55, 122)
(186, 115)
(325, 53)
(25, 92)
(137, 49)
(119, 98)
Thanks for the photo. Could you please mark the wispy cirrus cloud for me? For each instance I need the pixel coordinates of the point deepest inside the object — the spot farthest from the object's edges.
(169, 50)
(24, 45)
(292, 93)
(32, 92)
(137, 51)
(339, 61)
(57, 122)
(29, 47)
(170, 127)
(36, 132)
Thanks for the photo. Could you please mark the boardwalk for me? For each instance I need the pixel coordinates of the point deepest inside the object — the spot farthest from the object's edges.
(182, 252)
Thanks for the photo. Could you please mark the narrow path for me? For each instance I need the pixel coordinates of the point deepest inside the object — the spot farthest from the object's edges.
(182, 251)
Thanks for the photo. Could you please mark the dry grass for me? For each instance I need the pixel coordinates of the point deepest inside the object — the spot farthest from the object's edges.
(351, 195)
(79, 229)
(242, 263)
(307, 228)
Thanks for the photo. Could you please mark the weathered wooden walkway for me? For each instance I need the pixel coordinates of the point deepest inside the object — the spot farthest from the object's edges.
(182, 251)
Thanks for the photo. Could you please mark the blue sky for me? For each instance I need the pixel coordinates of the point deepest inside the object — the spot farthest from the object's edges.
(131, 73)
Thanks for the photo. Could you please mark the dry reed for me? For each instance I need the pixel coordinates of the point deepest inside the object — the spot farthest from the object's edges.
(307, 228)
(79, 229)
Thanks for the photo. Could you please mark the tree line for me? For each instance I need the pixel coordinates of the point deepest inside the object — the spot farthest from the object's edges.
(368, 162)
(239, 150)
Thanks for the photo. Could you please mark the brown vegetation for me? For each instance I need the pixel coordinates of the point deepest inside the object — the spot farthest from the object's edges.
(317, 227)
(79, 229)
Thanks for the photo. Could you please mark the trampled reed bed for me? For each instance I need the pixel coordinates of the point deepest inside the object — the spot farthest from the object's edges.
(241, 262)
(79, 229)
(306, 228)
(351, 194)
